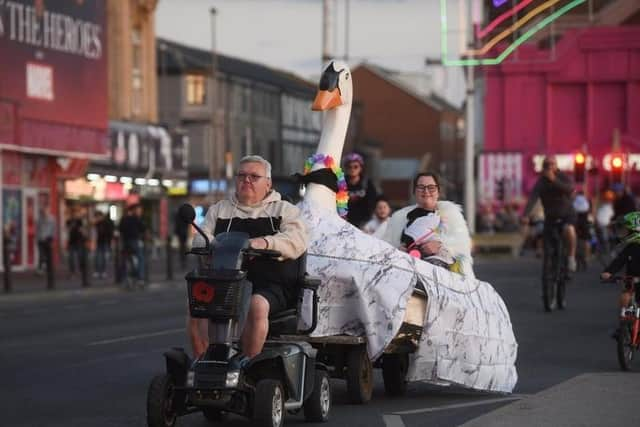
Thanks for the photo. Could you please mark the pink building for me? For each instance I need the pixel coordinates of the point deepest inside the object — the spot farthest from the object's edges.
(538, 105)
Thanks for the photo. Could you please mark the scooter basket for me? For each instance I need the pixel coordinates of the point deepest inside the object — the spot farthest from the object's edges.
(221, 297)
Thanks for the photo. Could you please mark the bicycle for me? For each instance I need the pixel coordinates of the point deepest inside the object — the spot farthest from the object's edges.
(554, 267)
(628, 334)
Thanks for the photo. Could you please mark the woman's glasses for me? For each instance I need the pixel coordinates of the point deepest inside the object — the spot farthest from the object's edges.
(251, 176)
(431, 188)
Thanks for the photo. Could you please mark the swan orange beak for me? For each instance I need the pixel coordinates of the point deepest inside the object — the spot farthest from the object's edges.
(326, 100)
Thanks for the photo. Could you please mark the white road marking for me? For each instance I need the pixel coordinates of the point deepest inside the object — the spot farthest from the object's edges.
(35, 311)
(393, 420)
(107, 302)
(459, 405)
(73, 306)
(137, 337)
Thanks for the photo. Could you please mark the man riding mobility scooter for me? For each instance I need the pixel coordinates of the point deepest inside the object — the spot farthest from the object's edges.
(285, 376)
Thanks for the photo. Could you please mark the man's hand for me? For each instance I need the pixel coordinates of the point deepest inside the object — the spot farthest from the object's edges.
(430, 248)
(605, 275)
(258, 243)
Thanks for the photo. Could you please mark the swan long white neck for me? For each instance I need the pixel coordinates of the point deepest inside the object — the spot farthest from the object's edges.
(334, 131)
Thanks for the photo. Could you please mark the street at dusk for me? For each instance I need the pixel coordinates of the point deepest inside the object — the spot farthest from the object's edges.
(88, 358)
(391, 213)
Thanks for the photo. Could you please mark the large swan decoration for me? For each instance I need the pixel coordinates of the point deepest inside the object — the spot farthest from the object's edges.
(467, 338)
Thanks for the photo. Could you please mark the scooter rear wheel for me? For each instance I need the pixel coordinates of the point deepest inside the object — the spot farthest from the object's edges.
(394, 373)
(318, 404)
(359, 375)
(160, 412)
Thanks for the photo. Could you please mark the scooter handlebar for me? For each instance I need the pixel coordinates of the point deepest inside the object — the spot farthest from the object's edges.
(263, 252)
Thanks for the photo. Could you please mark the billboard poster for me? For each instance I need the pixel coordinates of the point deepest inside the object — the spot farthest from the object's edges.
(54, 60)
(12, 223)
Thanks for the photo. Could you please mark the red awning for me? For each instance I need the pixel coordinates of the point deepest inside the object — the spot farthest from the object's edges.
(50, 138)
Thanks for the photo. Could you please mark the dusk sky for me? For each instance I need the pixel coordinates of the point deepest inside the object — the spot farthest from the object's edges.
(287, 34)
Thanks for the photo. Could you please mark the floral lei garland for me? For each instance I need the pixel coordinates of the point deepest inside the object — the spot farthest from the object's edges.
(342, 196)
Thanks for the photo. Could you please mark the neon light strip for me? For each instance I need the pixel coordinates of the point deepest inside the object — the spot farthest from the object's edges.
(480, 34)
(498, 3)
(495, 61)
(515, 26)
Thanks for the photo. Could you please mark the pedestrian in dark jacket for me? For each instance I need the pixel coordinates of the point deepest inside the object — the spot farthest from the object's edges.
(104, 236)
(362, 191)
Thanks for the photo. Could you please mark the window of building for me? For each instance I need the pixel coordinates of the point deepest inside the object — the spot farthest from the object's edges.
(136, 72)
(196, 89)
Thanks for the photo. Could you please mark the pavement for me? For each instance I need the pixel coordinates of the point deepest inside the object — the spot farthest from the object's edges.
(32, 284)
(596, 399)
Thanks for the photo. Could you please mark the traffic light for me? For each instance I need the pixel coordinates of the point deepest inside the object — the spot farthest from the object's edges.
(617, 168)
(579, 162)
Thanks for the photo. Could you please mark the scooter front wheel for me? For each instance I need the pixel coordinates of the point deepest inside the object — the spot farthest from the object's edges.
(268, 406)
(160, 405)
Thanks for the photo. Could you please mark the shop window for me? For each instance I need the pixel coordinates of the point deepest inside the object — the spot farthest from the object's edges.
(196, 89)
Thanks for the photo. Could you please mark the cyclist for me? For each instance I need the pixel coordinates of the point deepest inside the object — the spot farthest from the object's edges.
(554, 189)
(629, 257)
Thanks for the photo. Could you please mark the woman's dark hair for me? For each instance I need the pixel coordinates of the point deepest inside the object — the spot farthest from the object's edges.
(381, 198)
(421, 174)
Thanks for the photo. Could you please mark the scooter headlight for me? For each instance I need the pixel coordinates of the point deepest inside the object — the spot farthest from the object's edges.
(232, 379)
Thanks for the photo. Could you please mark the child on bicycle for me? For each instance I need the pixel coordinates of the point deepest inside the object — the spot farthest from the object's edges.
(629, 227)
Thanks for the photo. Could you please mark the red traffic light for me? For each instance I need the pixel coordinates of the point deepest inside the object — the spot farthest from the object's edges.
(616, 162)
(580, 158)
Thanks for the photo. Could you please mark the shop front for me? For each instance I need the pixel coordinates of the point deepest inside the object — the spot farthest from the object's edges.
(53, 113)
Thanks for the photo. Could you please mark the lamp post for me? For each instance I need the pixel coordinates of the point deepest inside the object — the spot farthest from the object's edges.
(214, 110)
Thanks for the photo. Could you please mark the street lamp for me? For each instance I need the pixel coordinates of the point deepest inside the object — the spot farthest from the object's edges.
(214, 107)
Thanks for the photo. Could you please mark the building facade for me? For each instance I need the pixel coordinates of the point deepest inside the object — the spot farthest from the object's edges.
(418, 133)
(144, 162)
(53, 110)
(580, 101)
(573, 88)
(247, 108)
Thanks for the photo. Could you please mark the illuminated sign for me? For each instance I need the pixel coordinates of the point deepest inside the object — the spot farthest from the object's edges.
(201, 186)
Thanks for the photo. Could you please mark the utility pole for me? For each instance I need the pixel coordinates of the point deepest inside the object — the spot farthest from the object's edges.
(214, 110)
(469, 179)
(327, 30)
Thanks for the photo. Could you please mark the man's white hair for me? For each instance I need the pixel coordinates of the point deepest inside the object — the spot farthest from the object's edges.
(258, 159)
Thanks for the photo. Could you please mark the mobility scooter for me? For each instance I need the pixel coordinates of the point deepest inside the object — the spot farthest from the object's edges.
(284, 377)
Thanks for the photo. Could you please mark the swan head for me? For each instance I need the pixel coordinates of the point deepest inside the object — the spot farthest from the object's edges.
(335, 87)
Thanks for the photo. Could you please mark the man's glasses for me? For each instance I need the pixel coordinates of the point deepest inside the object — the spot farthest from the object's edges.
(431, 188)
(251, 176)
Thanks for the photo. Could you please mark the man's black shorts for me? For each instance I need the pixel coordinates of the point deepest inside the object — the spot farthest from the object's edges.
(276, 297)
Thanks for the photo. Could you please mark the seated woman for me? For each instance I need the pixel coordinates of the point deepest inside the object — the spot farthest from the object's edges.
(453, 242)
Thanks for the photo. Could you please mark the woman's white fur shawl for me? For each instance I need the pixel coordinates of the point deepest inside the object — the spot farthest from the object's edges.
(455, 233)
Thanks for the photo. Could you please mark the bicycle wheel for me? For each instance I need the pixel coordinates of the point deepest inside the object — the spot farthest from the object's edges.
(562, 277)
(626, 350)
(549, 278)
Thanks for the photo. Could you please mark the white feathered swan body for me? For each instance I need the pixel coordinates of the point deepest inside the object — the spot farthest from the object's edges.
(468, 337)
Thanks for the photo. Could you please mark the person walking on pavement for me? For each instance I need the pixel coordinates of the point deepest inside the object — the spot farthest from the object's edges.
(132, 232)
(181, 230)
(45, 231)
(76, 242)
(104, 236)
(555, 189)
